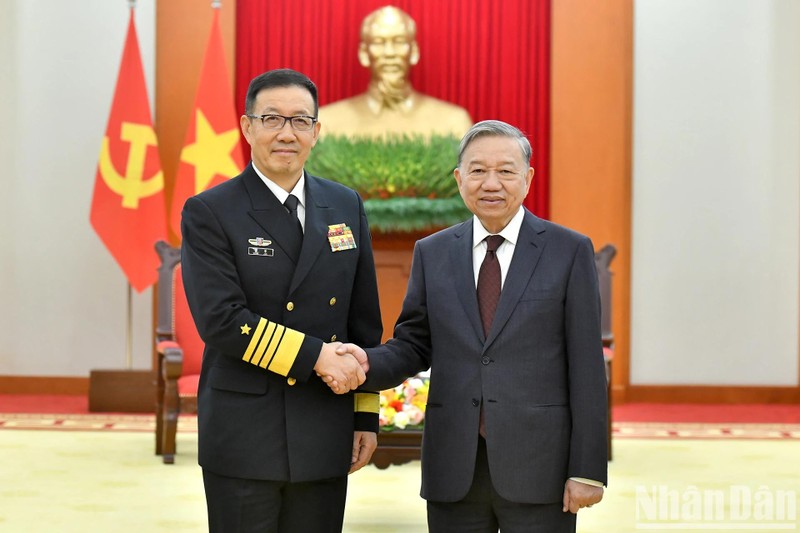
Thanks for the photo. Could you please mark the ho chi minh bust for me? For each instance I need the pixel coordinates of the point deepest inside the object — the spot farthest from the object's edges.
(391, 105)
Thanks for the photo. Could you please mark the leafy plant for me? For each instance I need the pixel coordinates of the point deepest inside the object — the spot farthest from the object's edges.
(406, 181)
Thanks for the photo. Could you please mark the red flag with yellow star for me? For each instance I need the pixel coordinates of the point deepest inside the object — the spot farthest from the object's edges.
(212, 151)
(128, 205)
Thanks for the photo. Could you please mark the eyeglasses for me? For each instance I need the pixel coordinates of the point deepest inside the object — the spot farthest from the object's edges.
(276, 122)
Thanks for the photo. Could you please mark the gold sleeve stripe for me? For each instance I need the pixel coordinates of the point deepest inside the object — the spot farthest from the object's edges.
(289, 348)
(254, 339)
(258, 356)
(274, 342)
(367, 403)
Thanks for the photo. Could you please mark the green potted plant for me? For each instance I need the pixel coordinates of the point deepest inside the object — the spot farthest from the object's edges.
(406, 181)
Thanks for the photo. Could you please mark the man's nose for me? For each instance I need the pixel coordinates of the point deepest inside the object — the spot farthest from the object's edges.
(491, 181)
(287, 131)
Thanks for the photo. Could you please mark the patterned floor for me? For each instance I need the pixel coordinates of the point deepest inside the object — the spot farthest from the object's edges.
(621, 430)
(110, 481)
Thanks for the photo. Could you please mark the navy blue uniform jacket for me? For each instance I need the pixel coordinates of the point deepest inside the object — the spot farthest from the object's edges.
(262, 411)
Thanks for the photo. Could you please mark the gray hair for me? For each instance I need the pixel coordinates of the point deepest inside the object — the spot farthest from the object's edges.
(496, 128)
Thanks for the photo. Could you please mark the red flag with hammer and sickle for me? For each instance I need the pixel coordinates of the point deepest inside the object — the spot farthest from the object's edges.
(212, 151)
(128, 206)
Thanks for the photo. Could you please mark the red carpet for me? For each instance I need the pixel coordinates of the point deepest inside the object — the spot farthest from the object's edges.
(708, 413)
(631, 412)
(43, 403)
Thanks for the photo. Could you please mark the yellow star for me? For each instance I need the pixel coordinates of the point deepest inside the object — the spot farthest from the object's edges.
(211, 153)
(245, 329)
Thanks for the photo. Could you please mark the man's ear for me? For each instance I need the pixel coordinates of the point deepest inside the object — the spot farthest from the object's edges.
(457, 175)
(246, 125)
(315, 135)
(528, 179)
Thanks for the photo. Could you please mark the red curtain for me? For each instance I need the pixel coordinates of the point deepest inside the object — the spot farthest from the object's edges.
(491, 57)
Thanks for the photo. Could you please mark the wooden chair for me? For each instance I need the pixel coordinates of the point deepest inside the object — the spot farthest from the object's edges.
(180, 352)
(602, 260)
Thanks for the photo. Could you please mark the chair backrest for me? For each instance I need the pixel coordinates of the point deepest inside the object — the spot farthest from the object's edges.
(602, 260)
(174, 321)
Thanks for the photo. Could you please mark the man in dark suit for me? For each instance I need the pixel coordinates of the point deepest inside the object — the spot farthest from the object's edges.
(278, 266)
(504, 309)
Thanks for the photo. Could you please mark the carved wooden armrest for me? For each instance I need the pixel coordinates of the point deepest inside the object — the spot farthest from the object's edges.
(170, 359)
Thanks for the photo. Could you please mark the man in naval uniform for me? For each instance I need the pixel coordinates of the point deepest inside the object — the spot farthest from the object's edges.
(278, 269)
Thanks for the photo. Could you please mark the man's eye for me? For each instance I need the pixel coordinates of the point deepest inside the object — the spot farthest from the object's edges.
(301, 122)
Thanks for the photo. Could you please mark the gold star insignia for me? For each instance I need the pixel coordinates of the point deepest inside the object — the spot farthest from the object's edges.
(211, 153)
(245, 329)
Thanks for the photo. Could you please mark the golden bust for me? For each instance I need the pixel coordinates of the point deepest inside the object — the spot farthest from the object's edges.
(391, 105)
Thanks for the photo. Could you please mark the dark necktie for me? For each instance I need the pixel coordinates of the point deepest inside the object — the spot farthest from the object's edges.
(489, 282)
(291, 205)
(488, 295)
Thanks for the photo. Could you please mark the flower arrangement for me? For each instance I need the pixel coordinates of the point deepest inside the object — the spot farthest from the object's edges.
(406, 180)
(403, 407)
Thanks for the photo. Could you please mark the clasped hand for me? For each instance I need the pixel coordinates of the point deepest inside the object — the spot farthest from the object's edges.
(342, 366)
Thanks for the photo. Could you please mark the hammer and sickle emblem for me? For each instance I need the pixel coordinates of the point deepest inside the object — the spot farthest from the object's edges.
(131, 186)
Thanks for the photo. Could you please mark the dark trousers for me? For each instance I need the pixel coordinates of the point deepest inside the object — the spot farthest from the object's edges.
(258, 506)
(483, 510)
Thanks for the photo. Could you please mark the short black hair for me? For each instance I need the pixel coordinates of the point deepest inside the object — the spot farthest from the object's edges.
(282, 77)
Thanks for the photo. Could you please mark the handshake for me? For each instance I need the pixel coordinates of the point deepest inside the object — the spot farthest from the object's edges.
(342, 366)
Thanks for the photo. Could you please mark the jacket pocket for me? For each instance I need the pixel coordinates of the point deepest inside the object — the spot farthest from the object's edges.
(541, 295)
(238, 378)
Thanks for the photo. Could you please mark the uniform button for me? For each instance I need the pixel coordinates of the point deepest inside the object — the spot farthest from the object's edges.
(333, 338)
(485, 360)
(333, 301)
(291, 381)
(475, 402)
(290, 306)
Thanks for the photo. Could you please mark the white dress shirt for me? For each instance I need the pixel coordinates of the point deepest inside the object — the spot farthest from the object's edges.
(506, 250)
(299, 191)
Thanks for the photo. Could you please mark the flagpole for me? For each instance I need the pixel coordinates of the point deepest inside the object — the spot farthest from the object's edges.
(129, 303)
(129, 331)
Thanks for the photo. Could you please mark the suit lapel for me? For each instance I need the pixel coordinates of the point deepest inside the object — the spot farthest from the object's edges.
(269, 212)
(527, 252)
(315, 232)
(464, 277)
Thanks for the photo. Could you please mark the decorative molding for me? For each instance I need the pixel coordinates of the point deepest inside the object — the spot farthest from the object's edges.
(43, 385)
(709, 394)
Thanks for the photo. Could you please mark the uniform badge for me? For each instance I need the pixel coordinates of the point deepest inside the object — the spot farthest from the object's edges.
(260, 247)
(340, 237)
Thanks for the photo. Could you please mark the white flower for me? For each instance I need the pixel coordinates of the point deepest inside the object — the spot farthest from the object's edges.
(401, 420)
(415, 383)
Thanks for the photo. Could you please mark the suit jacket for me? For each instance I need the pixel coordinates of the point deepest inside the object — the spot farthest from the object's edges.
(539, 372)
(262, 411)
